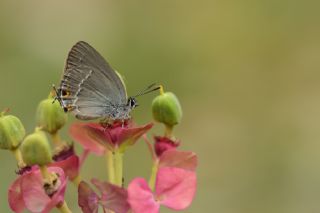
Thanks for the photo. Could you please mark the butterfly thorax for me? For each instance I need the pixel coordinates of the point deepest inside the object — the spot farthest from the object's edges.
(122, 112)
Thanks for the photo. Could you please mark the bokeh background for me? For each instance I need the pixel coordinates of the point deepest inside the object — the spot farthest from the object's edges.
(247, 74)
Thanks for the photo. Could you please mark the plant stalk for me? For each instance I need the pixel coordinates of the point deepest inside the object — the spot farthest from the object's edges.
(110, 166)
(153, 176)
(56, 139)
(64, 208)
(118, 163)
(18, 155)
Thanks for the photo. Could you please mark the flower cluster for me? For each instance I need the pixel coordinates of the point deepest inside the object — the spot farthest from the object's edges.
(44, 172)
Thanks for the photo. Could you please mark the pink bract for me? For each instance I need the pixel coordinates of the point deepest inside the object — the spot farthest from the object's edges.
(98, 138)
(175, 188)
(141, 198)
(15, 198)
(163, 144)
(70, 166)
(27, 192)
(179, 159)
(112, 197)
(87, 198)
(80, 132)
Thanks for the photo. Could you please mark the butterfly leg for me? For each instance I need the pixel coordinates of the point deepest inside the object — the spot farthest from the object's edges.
(106, 122)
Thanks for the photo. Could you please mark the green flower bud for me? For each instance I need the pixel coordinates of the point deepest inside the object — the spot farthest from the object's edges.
(50, 116)
(12, 132)
(36, 149)
(166, 109)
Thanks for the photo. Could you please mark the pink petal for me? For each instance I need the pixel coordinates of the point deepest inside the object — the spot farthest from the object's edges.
(87, 198)
(84, 156)
(34, 196)
(141, 198)
(15, 199)
(163, 144)
(117, 135)
(80, 132)
(131, 135)
(175, 187)
(113, 197)
(70, 166)
(179, 159)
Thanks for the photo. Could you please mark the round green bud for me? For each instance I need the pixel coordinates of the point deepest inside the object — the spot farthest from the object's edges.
(36, 149)
(167, 109)
(12, 132)
(50, 116)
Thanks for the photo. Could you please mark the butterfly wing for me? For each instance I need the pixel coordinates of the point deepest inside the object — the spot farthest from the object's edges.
(90, 88)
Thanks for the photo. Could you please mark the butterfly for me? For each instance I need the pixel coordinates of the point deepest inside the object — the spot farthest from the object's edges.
(91, 89)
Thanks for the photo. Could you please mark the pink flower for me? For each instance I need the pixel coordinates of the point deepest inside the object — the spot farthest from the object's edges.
(163, 144)
(70, 166)
(112, 197)
(27, 192)
(67, 160)
(97, 138)
(174, 188)
(179, 159)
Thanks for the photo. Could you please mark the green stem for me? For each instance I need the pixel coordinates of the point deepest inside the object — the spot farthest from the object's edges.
(45, 173)
(56, 139)
(18, 155)
(118, 164)
(110, 166)
(64, 208)
(153, 175)
(76, 181)
(168, 131)
(161, 90)
(150, 147)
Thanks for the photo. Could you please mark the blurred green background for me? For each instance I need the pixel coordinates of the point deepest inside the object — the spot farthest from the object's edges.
(247, 74)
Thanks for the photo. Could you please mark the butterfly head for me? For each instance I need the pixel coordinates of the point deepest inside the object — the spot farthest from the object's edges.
(132, 102)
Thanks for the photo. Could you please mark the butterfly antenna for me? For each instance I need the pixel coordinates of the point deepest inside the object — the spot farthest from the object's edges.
(57, 97)
(149, 89)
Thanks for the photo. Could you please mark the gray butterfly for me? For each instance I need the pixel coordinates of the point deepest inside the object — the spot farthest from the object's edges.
(91, 89)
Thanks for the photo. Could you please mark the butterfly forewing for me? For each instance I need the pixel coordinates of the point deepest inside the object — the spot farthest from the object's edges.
(90, 87)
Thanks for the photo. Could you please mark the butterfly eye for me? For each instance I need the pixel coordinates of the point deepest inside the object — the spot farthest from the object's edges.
(133, 103)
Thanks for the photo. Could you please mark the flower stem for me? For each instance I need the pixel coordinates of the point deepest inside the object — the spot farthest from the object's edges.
(17, 154)
(45, 173)
(56, 139)
(149, 144)
(118, 163)
(110, 166)
(47, 177)
(76, 181)
(154, 170)
(64, 208)
(161, 90)
(84, 156)
(168, 131)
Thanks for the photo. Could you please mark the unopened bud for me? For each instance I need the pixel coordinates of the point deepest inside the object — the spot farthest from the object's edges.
(166, 109)
(12, 132)
(50, 116)
(36, 149)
